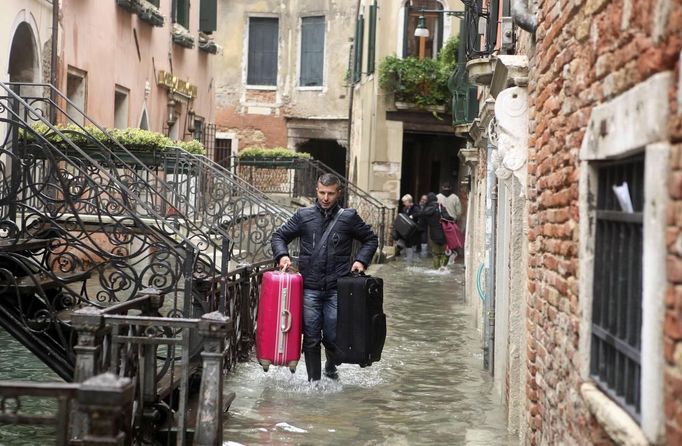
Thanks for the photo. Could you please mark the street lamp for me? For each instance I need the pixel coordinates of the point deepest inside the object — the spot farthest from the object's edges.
(423, 33)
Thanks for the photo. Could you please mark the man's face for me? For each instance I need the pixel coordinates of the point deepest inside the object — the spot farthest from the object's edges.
(327, 195)
(423, 200)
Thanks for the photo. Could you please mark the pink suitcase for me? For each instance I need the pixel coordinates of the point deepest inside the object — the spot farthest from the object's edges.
(453, 235)
(280, 320)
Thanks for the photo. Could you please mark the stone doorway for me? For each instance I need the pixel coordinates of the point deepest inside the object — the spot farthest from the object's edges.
(329, 151)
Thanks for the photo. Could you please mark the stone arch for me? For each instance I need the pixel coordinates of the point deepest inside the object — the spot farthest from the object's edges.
(24, 55)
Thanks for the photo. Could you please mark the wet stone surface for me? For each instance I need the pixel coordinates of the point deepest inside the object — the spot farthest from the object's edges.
(429, 388)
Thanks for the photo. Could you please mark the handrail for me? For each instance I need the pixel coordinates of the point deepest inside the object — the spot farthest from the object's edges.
(164, 202)
(244, 213)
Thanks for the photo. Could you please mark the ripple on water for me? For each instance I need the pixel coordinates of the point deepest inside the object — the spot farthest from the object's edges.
(428, 388)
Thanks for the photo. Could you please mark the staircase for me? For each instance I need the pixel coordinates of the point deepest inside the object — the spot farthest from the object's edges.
(89, 231)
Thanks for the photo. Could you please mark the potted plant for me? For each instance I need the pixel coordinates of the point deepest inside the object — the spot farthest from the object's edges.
(420, 84)
(271, 157)
(147, 146)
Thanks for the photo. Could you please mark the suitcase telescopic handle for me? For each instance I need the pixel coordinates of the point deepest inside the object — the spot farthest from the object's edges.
(286, 323)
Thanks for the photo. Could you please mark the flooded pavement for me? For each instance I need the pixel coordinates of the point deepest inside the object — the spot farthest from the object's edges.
(18, 364)
(429, 387)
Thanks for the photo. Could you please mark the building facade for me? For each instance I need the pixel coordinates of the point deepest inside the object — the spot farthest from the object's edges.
(127, 63)
(399, 148)
(281, 81)
(575, 160)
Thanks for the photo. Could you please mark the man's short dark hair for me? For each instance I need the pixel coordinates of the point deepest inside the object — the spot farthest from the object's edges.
(329, 179)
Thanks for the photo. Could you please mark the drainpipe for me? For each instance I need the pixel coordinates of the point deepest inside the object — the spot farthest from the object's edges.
(352, 93)
(490, 236)
(522, 16)
(53, 60)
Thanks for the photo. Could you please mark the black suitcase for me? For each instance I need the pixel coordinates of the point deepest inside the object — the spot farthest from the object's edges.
(405, 226)
(361, 322)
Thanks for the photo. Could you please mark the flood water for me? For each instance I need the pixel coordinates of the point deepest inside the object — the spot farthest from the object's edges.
(428, 388)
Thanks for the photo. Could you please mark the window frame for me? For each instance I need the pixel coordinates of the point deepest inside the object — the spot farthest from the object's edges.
(188, 12)
(247, 54)
(121, 90)
(83, 76)
(300, 55)
(614, 131)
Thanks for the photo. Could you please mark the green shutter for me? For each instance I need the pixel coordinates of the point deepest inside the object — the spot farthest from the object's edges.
(359, 35)
(182, 13)
(371, 38)
(208, 12)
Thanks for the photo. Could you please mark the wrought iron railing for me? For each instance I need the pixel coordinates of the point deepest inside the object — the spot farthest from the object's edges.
(73, 235)
(297, 177)
(226, 202)
(103, 403)
(90, 230)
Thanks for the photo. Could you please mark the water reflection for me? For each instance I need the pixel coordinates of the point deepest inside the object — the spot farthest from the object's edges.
(429, 387)
(18, 364)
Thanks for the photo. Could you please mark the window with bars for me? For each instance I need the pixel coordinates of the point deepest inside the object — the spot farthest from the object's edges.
(263, 40)
(615, 363)
(312, 51)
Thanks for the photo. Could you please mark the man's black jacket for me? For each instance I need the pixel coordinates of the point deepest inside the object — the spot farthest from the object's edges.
(334, 259)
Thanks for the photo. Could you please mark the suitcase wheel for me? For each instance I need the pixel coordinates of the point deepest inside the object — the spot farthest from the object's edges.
(265, 364)
(292, 366)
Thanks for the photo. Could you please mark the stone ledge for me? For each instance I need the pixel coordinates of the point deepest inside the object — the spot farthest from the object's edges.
(616, 422)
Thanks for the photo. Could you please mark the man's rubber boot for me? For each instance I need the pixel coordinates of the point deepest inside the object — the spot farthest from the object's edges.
(330, 370)
(313, 365)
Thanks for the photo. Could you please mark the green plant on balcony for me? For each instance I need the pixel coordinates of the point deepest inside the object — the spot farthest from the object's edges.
(133, 139)
(424, 82)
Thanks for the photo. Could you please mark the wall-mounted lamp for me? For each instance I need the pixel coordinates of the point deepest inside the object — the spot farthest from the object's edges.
(423, 33)
(422, 30)
(172, 114)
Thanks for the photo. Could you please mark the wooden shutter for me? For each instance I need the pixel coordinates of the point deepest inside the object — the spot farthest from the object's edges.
(263, 40)
(359, 36)
(208, 12)
(312, 51)
(371, 37)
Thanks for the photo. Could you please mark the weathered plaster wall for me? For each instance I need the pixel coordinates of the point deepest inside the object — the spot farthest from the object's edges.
(115, 47)
(259, 116)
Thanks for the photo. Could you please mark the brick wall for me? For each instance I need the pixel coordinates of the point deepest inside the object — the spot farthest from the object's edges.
(587, 52)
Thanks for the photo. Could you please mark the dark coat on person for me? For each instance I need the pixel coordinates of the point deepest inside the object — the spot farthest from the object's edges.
(320, 272)
(431, 213)
(414, 238)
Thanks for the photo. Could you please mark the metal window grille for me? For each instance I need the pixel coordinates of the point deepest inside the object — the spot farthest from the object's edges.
(615, 363)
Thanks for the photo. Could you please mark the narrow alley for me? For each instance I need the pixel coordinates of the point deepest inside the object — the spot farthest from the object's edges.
(429, 387)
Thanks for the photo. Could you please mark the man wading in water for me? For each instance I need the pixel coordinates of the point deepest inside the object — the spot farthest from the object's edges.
(322, 265)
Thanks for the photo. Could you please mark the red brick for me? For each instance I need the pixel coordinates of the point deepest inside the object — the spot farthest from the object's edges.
(674, 269)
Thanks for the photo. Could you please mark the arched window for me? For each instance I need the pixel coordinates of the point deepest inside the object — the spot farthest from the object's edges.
(434, 23)
(23, 59)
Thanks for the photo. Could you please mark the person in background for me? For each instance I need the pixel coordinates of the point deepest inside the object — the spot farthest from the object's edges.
(409, 244)
(450, 201)
(432, 213)
(422, 227)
